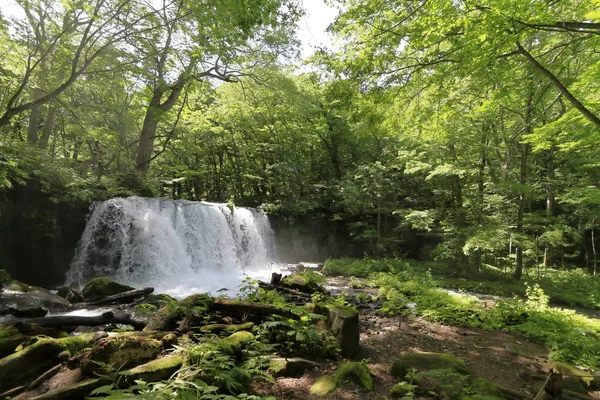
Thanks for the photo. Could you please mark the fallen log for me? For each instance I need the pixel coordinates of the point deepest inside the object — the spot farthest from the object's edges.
(242, 307)
(76, 320)
(125, 297)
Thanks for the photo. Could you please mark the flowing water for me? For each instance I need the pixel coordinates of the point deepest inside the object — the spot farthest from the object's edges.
(178, 247)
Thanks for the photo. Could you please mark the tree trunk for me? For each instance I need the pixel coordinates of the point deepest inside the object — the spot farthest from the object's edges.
(594, 251)
(522, 181)
(48, 126)
(34, 118)
(146, 143)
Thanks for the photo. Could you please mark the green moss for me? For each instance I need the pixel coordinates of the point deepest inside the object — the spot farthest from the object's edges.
(570, 370)
(230, 328)
(481, 389)
(4, 277)
(235, 342)
(323, 386)
(307, 282)
(277, 366)
(425, 362)
(164, 319)
(356, 372)
(10, 338)
(402, 389)
(120, 351)
(99, 288)
(196, 300)
(159, 300)
(155, 370)
(345, 311)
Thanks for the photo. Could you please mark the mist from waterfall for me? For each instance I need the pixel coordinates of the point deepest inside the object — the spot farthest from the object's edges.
(178, 247)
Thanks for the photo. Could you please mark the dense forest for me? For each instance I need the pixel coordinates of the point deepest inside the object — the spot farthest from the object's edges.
(451, 130)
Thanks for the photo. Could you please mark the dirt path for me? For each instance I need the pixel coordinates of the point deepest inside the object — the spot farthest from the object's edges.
(503, 358)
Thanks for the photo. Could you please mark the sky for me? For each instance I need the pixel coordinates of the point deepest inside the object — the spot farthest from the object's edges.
(311, 28)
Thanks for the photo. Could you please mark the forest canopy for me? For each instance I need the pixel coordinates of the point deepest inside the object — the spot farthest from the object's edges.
(456, 130)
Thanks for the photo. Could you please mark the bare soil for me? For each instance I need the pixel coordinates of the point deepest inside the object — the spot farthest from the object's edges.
(505, 359)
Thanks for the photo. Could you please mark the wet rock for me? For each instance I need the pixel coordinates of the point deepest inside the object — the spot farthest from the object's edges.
(71, 293)
(122, 351)
(164, 319)
(99, 288)
(169, 341)
(426, 362)
(158, 300)
(307, 282)
(24, 301)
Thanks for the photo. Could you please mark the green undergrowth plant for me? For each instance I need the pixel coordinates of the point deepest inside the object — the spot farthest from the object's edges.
(571, 337)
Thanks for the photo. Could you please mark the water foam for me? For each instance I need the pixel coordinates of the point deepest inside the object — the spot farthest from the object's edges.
(178, 247)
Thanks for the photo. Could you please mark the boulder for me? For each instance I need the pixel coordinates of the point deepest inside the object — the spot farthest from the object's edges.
(155, 370)
(356, 372)
(122, 351)
(305, 282)
(71, 293)
(574, 384)
(342, 322)
(158, 300)
(229, 328)
(164, 319)
(99, 288)
(24, 301)
(481, 389)
(290, 367)
(569, 370)
(425, 362)
(235, 342)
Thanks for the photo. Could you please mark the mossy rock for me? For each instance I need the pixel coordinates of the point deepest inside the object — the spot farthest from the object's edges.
(10, 338)
(323, 386)
(122, 351)
(401, 389)
(343, 323)
(155, 370)
(304, 282)
(196, 300)
(164, 319)
(570, 370)
(158, 300)
(290, 367)
(235, 342)
(356, 372)
(39, 357)
(481, 389)
(425, 362)
(99, 288)
(24, 301)
(574, 384)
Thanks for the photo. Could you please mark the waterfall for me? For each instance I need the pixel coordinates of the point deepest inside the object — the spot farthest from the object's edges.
(176, 246)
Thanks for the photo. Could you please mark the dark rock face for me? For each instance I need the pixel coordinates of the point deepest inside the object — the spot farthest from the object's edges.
(38, 236)
(23, 301)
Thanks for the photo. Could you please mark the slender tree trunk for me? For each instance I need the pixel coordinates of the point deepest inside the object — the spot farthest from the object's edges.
(48, 126)
(594, 251)
(34, 118)
(146, 143)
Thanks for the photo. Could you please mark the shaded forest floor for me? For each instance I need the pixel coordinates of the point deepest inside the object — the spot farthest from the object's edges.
(505, 359)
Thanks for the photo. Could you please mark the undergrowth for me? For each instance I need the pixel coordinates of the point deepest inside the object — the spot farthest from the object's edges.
(417, 288)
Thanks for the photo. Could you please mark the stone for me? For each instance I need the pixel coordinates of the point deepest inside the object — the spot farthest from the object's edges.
(342, 322)
(570, 370)
(401, 389)
(427, 361)
(356, 372)
(99, 288)
(158, 300)
(25, 301)
(230, 328)
(71, 293)
(122, 351)
(323, 386)
(169, 341)
(574, 384)
(155, 370)
(305, 282)
(235, 342)
(481, 389)
(164, 319)
(290, 367)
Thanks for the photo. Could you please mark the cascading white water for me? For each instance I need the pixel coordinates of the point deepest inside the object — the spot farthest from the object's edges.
(178, 247)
